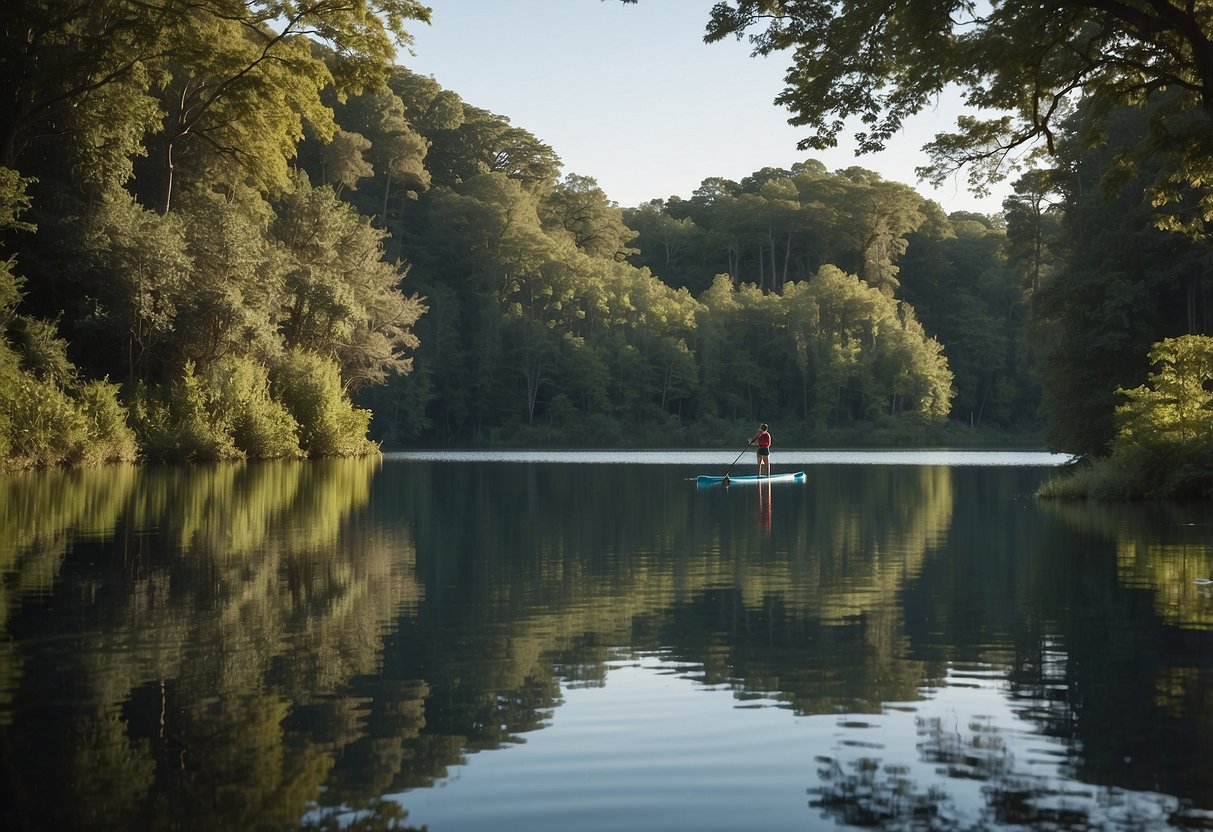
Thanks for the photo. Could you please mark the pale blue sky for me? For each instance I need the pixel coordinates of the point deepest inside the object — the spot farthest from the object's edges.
(631, 96)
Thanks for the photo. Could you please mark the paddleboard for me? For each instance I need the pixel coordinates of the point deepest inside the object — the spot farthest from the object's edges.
(703, 479)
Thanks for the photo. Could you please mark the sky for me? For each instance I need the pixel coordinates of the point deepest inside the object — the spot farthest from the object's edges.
(631, 96)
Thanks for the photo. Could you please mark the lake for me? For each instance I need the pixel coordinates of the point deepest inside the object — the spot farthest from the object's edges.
(555, 641)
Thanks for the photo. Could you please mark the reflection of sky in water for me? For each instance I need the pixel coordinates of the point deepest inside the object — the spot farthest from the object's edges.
(652, 749)
(782, 457)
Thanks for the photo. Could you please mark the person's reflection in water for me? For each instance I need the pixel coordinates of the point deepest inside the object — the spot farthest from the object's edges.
(764, 505)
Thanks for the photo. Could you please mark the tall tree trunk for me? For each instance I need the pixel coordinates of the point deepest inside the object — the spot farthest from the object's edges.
(168, 177)
(387, 190)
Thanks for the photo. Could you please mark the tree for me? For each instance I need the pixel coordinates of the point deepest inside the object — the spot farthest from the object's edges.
(579, 208)
(396, 153)
(1173, 412)
(483, 142)
(344, 163)
(1032, 216)
(667, 246)
(140, 266)
(56, 53)
(342, 300)
(427, 105)
(871, 356)
(14, 201)
(874, 217)
(236, 102)
(1122, 286)
(240, 76)
(1025, 62)
(1163, 446)
(966, 295)
(232, 301)
(491, 222)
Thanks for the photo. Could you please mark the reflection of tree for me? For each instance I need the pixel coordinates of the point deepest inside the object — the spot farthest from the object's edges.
(1116, 661)
(875, 796)
(567, 557)
(1163, 547)
(253, 642)
(40, 514)
(219, 635)
(867, 792)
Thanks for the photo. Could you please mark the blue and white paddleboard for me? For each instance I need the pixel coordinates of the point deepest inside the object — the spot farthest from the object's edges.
(703, 479)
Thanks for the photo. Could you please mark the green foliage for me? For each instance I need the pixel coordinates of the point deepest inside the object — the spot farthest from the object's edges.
(182, 423)
(967, 295)
(14, 201)
(1173, 412)
(875, 66)
(110, 125)
(344, 164)
(342, 299)
(1164, 445)
(175, 234)
(579, 208)
(140, 267)
(43, 423)
(261, 427)
(109, 438)
(394, 158)
(309, 386)
(46, 427)
(39, 423)
(43, 353)
(1120, 286)
(1169, 420)
(232, 301)
(10, 288)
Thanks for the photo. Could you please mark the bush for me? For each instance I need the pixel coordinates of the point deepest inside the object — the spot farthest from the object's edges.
(182, 425)
(45, 427)
(110, 438)
(41, 424)
(261, 427)
(329, 425)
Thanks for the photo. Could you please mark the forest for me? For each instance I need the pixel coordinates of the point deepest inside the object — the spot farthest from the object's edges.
(243, 230)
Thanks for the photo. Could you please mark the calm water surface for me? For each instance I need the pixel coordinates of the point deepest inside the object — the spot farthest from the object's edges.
(592, 642)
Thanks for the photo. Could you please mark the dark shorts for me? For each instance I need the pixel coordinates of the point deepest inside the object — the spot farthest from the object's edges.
(764, 451)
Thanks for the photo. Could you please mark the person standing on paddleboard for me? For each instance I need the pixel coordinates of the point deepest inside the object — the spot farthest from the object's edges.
(763, 438)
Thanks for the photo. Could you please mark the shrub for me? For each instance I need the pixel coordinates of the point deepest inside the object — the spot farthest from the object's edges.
(182, 425)
(46, 426)
(110, 438)
(260, 426)
(41, 424)
(309, 386)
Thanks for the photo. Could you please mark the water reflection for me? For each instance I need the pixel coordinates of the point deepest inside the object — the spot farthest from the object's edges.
(183, 670)
(977, 766)
(1166, 549)
(285, 644)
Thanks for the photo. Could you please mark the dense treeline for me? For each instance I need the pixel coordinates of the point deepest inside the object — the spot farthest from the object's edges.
(550, 322)
(211, 250)
(229, 239)
(1110, 235)
(172, 285)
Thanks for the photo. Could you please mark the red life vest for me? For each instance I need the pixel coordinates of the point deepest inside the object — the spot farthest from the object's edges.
(764, 440)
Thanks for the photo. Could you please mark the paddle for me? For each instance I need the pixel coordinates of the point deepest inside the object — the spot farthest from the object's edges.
(725, 481)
